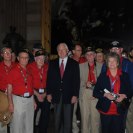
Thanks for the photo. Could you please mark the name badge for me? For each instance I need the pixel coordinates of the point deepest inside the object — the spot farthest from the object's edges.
(41, 90)
(27, 94)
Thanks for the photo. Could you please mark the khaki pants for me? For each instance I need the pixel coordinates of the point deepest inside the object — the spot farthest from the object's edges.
(75, 128)
(129, 121)
(3, 129)
(90, 117)
(22, 121)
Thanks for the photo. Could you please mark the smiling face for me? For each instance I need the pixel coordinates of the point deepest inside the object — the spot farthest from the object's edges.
(116, 50)
(100, 57)
(90, 56)
(112, 63)
(62, 50)
(7, 54)
(77, 51)
(23, 59)
(40, 60)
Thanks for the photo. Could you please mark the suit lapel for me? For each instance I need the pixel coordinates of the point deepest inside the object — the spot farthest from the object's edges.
(57, 67)
(67, 67)
(107, 82)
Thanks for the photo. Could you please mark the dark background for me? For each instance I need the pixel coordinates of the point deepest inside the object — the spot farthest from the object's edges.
(98, 22)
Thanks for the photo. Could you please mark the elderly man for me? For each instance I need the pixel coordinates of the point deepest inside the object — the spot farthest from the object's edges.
(77, 56)
(5, 67)
(38, 70)
(20, 95)
(89, 71)
(62, 87)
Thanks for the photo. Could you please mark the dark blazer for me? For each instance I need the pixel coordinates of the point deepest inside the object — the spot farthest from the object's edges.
(104, 82)
(68, 86)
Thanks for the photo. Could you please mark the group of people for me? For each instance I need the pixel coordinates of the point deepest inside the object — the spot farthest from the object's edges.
(101, 86)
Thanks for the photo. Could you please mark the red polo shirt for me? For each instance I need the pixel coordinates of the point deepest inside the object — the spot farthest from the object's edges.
(39, 75)
(4, 71)
(17, 79)
(79, 60)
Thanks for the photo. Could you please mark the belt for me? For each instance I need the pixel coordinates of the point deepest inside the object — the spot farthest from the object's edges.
(23, 96)
(2, 91)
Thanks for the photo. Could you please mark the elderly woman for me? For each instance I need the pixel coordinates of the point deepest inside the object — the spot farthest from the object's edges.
(113, 91)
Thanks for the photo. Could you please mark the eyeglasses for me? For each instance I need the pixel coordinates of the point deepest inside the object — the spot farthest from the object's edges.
(113, 49)
(78, 50)
(5, 52)
(24, 57)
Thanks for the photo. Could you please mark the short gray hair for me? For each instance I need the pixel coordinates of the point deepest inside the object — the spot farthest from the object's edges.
(2, 50)
(64, 45)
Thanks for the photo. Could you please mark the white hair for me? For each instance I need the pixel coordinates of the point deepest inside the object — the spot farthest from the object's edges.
(64, 44)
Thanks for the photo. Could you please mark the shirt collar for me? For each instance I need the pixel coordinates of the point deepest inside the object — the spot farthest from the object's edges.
(65, 59)
(119, 72)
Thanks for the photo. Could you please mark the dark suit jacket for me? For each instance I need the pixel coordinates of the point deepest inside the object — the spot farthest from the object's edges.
(68, 86)
(104, 82)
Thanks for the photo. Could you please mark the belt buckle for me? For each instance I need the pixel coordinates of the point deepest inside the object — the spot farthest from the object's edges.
(26, 94)
(41, 91)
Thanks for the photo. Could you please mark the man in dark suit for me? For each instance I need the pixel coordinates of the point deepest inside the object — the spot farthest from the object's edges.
(63, 83)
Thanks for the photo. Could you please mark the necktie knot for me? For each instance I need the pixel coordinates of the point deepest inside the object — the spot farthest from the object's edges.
(62, 61)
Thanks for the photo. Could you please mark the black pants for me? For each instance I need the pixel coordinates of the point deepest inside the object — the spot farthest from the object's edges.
(63, 117)
(44, 117)
(113, 123)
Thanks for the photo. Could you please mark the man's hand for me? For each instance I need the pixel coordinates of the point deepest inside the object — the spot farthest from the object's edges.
(49, 98)
(88, 84)
(11, 107)
(35, 105)
(40, 97)
(74, 100)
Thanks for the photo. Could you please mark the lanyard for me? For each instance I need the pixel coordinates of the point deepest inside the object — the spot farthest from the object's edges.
(7, 69)
(112, 83)
(24, 77)
(41, 75)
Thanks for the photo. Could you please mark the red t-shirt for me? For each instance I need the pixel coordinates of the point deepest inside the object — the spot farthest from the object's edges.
(39, 75)
(4, 71)
(21, 80)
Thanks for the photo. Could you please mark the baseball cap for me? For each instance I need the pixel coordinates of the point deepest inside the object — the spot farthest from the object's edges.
(40, 52)
(89, 49)
(115, 44)
(99, 50)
